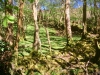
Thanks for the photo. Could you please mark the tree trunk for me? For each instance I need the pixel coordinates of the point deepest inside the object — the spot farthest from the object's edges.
(84, 20)
(20, 25)
(37, 42)
(48, 37)
(9, 30)
(67, 21)
(20, 18)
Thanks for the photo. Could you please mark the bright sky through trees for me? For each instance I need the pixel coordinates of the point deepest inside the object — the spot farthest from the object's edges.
(78, 4)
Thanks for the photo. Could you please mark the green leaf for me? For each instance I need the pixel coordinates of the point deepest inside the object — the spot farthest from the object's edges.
(5, 21)
(11, 19)
(8, 19)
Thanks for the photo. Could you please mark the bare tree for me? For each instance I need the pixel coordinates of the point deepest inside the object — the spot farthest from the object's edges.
(36, 43)
(67, 21)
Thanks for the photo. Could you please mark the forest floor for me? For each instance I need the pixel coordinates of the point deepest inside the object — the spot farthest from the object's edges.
(57, 41)
(74, 59)
(63, 60)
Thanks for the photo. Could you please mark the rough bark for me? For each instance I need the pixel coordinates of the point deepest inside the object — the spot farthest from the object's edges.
(20, 24)
(20, 18)
(37, 42)
(67, 21)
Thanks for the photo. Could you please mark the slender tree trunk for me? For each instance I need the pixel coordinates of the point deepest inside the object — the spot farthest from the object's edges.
(19, 32)
(20, 18)
(84, 20)
(37, 42)
(48, 37)
(67, 21)
(47, 32)
(19, 28)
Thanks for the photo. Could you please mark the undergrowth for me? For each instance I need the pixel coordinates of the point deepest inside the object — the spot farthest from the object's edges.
(63, 60)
